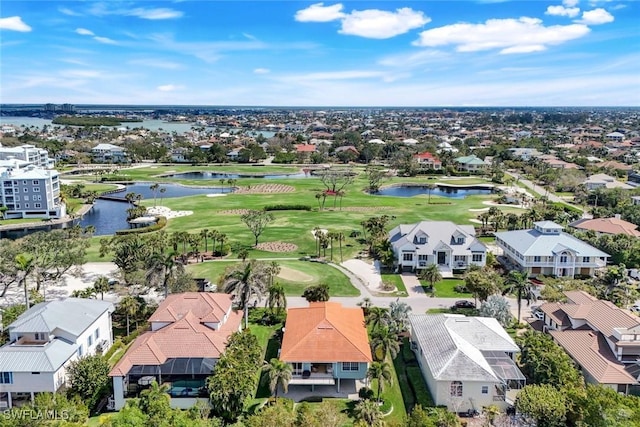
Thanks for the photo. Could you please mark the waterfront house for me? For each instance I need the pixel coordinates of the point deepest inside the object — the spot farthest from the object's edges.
(467, 362)
(44, 340)
(604, 340)
(427, 160)
(188, 333)
(325, 344)
(31, 154)
(470, 163)
(108, 153)
(450, 246)
(547, 249)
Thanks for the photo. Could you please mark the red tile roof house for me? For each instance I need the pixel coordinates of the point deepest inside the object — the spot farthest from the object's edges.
(188, 334)
(428, 160)
(326, 344)
(602, 339)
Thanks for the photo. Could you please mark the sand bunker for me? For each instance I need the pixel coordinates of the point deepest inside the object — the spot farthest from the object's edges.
(479, 210)
(277, 247)
(216, 195)
(265, 189)
(292, 275)
(167, 213)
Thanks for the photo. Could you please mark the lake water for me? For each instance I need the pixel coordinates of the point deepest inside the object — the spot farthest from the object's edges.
(154, 125)
(109, 216)
(215, 175)
(444, 191)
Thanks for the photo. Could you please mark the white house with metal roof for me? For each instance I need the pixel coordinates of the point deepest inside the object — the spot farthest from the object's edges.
(467, 362)
(448, 245)
(44, 340)
(546, 249)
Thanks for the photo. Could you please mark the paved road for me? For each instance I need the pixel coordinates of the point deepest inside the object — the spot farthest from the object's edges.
(540, 190)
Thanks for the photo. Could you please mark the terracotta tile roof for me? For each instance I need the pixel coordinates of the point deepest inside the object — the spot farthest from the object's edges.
(325, 332)
(580, 297)
(591, 351)
(304, 148)
(187, 337)
(608, 226)
(208, 306)
(555, 312)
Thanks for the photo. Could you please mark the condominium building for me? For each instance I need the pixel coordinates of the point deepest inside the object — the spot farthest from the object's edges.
(28, 153)
(28, 191)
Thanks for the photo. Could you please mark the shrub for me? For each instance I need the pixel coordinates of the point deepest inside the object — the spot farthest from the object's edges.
(365, 393)
(116, 345)
(284, 207)
(461, 289)
(387, 286)
(107, 178)
(160, 224)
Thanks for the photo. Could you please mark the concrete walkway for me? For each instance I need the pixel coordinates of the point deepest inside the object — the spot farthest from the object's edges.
(412, 283)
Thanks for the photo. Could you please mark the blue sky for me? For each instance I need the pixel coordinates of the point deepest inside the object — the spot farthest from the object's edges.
(294, 53)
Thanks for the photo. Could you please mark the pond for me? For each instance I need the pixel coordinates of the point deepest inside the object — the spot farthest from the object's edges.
(217, 175)
(108, 216)
(440, 190)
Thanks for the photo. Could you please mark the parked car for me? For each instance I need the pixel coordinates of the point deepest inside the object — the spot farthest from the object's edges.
(635, 308)
(463, 304)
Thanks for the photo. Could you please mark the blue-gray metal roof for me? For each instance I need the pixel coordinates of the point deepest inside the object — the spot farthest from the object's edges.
(534, 243)
(36, 358)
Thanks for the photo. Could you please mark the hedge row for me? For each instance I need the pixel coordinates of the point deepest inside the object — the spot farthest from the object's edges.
(162, 222)
(287, 208)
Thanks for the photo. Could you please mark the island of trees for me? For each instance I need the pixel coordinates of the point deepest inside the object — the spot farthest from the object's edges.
(92, 121)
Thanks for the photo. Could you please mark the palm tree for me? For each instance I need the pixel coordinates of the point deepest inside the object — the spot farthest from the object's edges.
(399, 314)
(24, 264)
(164, 268)
(129, 304)
(154, 187)
(205, 234)
(247, 282)
(155, 401)
(222, 181)
(518, 282)
(430, 188)
(383, 341)
(279, 374)
(340, 239)
(377, 318)
(101, 285)
(277, 298)
(369, 412)
(380, 371)
(222, 238)
(431, 274)
(162, 191)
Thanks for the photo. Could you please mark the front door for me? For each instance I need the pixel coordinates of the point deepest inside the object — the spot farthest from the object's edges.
(441, 258)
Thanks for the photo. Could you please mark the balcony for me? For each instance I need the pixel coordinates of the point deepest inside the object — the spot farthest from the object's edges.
(320, 374)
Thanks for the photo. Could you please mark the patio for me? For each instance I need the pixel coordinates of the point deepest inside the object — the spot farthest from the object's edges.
(314, 393)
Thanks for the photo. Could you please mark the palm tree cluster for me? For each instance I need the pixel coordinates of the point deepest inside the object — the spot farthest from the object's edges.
(385, 326)
(325, 240)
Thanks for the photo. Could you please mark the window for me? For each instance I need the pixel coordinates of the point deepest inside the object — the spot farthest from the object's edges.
(476, 258)
(97, 333)
(35, 373)
(460, 240)
(296, 368)
(349, 366)
(585, 259)
(24, 182)
(423, 257)
(36, 189)
(26, 205)
(36, 182)
(485, 389)
(456, 389)
(422, 240)
(37, 205)
(407, 257)
(41, 336)
(563, 258)
(89, 341)
(537, 258)
(26, 198)
(17, 198)
(25, 190)
(17, 205)
(80, 351)
(6, 377)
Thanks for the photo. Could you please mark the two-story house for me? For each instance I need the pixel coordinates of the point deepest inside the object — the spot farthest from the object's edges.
(467, 362)
(188, 334)
(108, 153)
(326, 344)
(548, 250)
(427, 160)
(448, 245)
(602, 339)
(471, 164)
(44, 340)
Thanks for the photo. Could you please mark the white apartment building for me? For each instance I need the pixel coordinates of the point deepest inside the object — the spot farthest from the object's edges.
(29, 191)
(28, 153)
(547, 250)
(44, 340)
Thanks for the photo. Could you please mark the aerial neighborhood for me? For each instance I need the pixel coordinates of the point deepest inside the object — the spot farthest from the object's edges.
(319, 267)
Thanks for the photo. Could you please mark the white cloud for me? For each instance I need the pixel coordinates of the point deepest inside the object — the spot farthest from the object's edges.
(571, 12)
(596, 17)
(84, 32)
(508, 35)
(84, 74)
(320, 13)
(14, 23)
(334, 75)
(168, 88)
(261, 71)
(104, 40)
(156, 63)
(155, 14)
(380, 24)
(570, 3)
(69, 12)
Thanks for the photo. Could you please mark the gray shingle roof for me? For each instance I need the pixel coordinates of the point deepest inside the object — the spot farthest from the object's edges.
(72, 315)
(47, 358)
(453, 344)
(534, 243)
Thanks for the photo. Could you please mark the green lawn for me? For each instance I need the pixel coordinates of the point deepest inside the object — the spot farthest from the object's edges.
(396, 279)
(445, 288)
(310, 273)
(392, 396)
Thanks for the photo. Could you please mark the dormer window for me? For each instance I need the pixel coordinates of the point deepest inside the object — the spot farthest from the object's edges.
(460, 240)
(422, 240)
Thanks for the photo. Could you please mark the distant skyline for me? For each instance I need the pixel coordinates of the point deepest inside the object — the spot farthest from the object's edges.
(295, 53)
